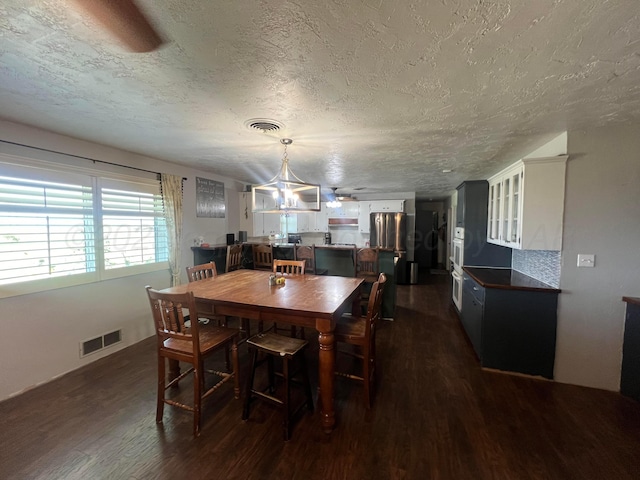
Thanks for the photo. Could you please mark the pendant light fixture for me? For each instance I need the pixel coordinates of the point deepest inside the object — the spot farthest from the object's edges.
(285, 192)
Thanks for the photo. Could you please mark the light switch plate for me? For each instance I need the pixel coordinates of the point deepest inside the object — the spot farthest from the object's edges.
(586, 260)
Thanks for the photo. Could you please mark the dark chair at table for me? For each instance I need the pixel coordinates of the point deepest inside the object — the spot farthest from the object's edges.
(308, 254)
(288, 350)
(262, 257)
(367, 266)
(289, 267)
(202, 272)
(193, 344)
(360, 331)
(234, 258)
(233, 263)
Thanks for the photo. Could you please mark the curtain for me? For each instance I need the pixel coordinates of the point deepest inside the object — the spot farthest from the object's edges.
(171, 187)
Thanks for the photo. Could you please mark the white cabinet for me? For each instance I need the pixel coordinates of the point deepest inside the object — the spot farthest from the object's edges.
(303, 221)
(257, 224)
(346, 210)
(246, 216)
(526, 204)
(364, 215)
(318, 221)
(387, 206)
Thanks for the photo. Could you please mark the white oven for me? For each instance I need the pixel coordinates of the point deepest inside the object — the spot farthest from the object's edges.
(457, 259)
(456, 289)
(458, 249)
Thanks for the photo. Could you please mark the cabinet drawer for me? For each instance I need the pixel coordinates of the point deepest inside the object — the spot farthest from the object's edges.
(473, 288)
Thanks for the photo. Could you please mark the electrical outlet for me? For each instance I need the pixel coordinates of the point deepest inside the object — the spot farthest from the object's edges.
(586, 260)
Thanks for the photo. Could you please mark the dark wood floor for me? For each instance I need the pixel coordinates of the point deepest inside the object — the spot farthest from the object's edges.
(437, 415)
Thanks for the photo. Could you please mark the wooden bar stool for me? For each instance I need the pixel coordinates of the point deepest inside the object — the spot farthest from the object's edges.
(288, 349)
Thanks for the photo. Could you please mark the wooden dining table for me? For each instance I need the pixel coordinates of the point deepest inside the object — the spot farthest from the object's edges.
(313, 301)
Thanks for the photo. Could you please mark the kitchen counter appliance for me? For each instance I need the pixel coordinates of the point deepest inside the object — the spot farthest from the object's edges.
(389, 230)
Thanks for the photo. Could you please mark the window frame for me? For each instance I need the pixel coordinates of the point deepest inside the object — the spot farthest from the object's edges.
(31, 169)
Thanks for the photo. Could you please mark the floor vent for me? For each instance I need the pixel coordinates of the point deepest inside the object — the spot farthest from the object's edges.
(96, 344)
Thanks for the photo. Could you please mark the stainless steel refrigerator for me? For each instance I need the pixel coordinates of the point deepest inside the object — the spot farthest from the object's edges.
(389, 230)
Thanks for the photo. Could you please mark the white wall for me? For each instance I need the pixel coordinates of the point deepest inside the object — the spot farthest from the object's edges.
(602, 217)
(49, 325)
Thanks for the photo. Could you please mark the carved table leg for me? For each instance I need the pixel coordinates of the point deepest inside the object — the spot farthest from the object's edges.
(327, 364)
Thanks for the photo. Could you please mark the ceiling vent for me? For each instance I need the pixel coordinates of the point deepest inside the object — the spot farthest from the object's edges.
(263, 125)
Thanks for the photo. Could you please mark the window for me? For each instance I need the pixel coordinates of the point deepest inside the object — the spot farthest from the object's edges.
(62, 228)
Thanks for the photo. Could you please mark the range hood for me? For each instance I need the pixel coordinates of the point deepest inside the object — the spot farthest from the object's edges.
(343, 222)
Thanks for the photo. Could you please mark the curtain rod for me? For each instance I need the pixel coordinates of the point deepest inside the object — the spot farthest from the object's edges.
(82, 158)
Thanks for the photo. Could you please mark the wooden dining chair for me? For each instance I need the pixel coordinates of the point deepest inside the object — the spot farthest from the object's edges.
(360, 331)
(200, 272)
(367, 266)
(286, 268)
(233, 263)
(308, 253)
(289, 267)
(289, 351)
(262, 257)
(190, 344)
(234, 258)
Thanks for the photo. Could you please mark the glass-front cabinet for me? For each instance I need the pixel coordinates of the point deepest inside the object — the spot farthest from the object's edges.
(528, 218)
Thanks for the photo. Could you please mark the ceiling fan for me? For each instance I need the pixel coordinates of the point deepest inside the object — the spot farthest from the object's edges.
(341, 197)
(124, 20)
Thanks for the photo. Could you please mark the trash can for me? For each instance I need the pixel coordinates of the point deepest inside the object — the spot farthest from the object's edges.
(412, 268)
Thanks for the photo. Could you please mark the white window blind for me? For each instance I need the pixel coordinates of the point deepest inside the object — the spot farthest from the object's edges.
(46, 229)
(133, 228)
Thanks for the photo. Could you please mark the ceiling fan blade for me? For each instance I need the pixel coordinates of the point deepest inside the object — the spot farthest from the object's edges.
(124, 19)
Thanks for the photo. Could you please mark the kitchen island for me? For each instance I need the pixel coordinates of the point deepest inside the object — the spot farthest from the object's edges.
(510, 319)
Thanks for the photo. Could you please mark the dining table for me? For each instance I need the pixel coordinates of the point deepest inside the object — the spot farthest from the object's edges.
(313, 301)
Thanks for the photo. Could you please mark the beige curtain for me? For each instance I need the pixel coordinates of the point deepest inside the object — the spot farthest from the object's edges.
(171, 186)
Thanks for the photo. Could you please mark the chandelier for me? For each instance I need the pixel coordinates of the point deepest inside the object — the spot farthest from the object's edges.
(285, 192)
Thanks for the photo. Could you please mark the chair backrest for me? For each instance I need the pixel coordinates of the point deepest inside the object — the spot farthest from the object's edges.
(263, 257)
(234, 257)
(294, 267)
(374, 308)
(308, 254)
(200, 272)
(169, 312)
(367, 262)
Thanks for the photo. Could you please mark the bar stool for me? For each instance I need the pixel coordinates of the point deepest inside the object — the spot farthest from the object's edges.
(288, 349)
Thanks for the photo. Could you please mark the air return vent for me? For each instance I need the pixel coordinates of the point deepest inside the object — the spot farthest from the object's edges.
(93, 345)
(264, 125)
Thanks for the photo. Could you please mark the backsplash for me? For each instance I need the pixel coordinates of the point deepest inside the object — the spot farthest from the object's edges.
(543, 265)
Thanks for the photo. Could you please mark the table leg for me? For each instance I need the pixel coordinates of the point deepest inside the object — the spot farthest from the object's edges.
(327, 365)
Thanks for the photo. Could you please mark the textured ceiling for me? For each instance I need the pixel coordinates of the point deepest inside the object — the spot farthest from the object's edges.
(376, 94)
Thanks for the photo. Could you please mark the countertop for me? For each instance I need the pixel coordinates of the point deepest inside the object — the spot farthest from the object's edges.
(507, 279)
(290, 245)
(632, 300)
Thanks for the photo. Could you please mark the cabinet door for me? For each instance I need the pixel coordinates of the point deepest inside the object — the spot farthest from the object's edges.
(246, 215)
(303, 222)
(387, 205)
(493, 219)
(460, 208)
(364, 215)
(321, 220)
(271, 223)
(512, 186)
(258, 225)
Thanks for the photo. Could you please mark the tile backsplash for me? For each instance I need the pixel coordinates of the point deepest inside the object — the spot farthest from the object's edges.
(543, 265)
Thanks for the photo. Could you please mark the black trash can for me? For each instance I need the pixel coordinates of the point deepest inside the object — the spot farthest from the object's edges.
(412, 269)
